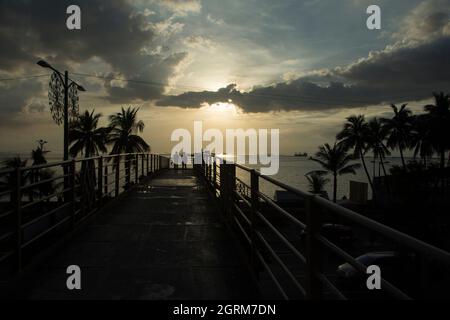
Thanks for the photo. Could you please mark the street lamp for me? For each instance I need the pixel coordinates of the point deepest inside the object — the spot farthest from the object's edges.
(67, 84)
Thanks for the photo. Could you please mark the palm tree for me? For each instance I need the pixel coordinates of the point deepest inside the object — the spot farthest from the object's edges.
(85, 136)
(440, 124)
(336, 161)
(87, 139)
(399, 130)
(376, 136)
(355, 135)
(422, 141)
(124, 137)
(38, 157)
(317, 182)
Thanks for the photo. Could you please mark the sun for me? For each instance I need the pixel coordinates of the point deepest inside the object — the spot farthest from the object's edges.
(222, 108)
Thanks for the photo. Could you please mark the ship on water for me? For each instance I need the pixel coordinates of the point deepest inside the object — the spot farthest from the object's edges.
(301, 154)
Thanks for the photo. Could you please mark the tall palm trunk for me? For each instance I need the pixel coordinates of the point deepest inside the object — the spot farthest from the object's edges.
(383, 166)
(128, 169)
(403, 157)
(335, 187)
(375, 158)
(367, 171)
(386, 179)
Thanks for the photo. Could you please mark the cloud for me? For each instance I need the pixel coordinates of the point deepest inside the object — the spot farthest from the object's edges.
(182, 6)
(218, 21)
(398, 73)
(114, 32)
(408, 70)
(16, 97)
(200, 42)
(429, 20)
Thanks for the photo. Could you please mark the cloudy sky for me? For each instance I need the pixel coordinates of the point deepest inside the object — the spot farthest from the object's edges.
(299, 66)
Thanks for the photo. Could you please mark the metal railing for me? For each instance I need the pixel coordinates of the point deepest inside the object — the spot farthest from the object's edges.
(40, 201)
(276, 235)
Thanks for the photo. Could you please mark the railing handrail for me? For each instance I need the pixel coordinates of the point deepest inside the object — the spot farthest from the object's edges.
(313, 227)
(67, 162)
(80, 195)
(391, 233)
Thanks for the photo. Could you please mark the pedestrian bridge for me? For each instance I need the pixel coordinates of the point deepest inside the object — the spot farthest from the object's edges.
(140, 230)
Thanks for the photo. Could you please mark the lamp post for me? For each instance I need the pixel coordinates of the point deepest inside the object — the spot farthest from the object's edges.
(67, 84)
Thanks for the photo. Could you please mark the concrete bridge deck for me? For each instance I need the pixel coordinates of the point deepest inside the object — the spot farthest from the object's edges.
(164, 240)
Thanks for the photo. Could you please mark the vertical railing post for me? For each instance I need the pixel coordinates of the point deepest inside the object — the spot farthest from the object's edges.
(117, 182)
(106, 180)
(73, 196)
(143, 165)
(254, 194)
(232, 179)
(214, 174)
(210, 168)
(136, 173)
(100, 181)
(18, 204)
(313, 263)
(147, 159)
(223, 179)
(151, 163)
(203, 165)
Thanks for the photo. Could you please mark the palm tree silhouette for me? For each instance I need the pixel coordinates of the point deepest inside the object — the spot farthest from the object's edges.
(38, 154)
(38, 157)
(376, 135)
(399, 130)
(317, 182)
(335, 160)
(123, 135)
(355, 135)
(421, 139)
(440, 124)
(85, 136)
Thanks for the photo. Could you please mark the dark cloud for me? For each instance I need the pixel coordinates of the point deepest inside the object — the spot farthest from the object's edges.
(402, 72)
(113, 31)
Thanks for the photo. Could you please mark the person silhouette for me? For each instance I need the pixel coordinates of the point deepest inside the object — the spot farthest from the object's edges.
(176, 160)
(184, 160)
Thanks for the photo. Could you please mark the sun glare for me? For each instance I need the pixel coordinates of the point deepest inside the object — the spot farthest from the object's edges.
(222, 108)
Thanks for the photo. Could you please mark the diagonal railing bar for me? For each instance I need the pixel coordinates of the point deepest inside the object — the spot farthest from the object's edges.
(244, 201)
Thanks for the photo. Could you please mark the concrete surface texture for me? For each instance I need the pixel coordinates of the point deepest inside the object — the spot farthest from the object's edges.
(163, 240)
